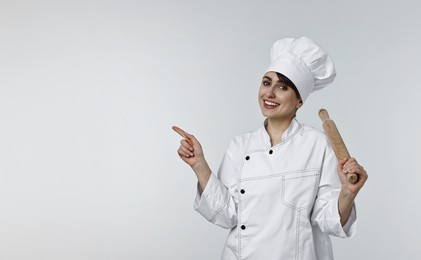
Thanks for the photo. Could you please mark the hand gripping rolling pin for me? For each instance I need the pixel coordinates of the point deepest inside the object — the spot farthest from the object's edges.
(336, 141)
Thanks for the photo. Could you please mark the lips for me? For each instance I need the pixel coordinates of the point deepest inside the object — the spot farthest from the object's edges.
(269, 104)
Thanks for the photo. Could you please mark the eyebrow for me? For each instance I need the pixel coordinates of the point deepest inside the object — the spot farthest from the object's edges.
(279, 80)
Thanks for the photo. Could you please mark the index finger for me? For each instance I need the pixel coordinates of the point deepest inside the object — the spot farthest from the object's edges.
(352, 161)
(180, 131)
(343, 162)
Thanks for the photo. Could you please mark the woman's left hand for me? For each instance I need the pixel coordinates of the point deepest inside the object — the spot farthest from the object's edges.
(349, 190)
(351, 166)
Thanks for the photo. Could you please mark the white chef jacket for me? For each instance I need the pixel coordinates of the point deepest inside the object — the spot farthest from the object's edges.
(279, 202)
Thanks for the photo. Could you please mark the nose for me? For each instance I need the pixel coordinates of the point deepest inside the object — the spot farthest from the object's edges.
(271, 92)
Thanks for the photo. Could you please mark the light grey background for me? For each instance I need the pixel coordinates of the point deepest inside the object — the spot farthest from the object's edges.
(89, 91)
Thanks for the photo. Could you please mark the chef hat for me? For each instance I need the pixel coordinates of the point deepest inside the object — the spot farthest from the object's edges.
(302, 61)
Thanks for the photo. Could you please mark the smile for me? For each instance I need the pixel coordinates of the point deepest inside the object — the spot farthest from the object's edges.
(270, 104)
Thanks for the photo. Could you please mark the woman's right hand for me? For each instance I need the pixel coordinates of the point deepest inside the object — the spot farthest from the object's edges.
(190, 150)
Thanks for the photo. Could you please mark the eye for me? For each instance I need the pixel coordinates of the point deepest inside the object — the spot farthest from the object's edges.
(266, 83)
(283, 87)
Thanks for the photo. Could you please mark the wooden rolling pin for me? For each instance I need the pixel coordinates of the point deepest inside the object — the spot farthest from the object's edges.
(336, 141)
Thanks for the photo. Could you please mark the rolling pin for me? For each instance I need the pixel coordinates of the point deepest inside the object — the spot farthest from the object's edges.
(336, 141)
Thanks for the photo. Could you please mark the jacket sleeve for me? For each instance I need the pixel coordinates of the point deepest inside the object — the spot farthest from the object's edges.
(217, 202)
(325, 211)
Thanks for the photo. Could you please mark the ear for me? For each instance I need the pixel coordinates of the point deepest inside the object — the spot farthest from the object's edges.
(299, 104)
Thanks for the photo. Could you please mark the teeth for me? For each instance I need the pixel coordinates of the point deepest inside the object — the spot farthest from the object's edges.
(270, 103)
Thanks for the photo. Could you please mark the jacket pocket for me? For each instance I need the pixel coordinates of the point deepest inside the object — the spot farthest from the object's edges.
(299, 190)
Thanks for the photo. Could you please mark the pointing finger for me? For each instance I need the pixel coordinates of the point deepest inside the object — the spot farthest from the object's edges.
(180, 131)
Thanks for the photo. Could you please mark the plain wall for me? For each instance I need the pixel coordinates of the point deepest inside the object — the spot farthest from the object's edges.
(89, 91)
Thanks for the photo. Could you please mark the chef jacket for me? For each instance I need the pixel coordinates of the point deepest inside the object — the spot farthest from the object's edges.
(279, 202)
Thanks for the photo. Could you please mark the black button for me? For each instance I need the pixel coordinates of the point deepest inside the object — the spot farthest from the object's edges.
(270, 152)
(243, 227)
(247, 157)
(242, 191)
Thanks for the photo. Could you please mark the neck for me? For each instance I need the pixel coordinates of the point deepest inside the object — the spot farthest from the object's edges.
(276, 129)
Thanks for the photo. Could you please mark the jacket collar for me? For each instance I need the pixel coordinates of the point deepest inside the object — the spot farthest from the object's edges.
(291, 131)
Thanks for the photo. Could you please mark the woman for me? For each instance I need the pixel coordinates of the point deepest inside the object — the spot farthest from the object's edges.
(280, 189)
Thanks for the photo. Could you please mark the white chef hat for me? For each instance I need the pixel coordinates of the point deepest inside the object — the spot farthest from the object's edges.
(303, 62)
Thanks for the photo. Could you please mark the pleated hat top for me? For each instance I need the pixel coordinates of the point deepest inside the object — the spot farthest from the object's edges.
(304, 62)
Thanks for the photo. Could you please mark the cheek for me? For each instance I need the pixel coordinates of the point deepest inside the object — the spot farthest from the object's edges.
(260, 93)
(289, 97)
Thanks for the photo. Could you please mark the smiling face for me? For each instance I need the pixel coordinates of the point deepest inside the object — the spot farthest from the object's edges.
(277, 97)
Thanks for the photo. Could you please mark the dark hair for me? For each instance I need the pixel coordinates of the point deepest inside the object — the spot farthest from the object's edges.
(289, 83)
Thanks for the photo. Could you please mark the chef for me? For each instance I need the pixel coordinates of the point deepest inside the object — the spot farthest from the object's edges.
(280, 189)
